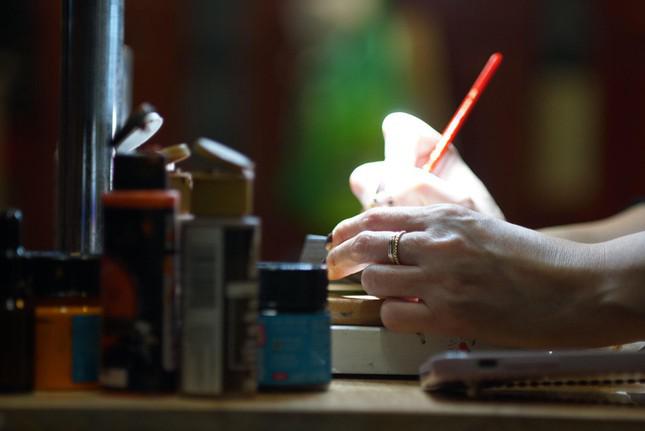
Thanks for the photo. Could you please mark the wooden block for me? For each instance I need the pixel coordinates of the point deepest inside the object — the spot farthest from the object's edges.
(339, 288)
(363, 310)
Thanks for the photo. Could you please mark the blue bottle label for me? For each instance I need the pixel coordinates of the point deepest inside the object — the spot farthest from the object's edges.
(86, 333)
(294, 349)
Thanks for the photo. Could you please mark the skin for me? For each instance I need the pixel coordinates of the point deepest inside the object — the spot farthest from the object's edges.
(478, 276)
(403, 182)
(631, 220)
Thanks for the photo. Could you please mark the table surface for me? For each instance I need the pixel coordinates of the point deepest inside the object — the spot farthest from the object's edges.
(354, 404)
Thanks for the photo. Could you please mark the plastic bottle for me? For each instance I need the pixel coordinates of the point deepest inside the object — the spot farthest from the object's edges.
(138, 286)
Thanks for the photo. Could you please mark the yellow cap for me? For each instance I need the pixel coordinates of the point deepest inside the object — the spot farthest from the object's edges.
(175, 153)
(222, 156)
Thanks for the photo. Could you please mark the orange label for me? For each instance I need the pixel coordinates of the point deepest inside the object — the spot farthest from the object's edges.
(53, 365)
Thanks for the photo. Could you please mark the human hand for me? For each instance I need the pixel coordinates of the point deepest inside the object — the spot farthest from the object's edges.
(401, 181)
(476, 277)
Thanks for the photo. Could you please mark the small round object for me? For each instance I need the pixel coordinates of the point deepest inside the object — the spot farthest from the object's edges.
(393, 247)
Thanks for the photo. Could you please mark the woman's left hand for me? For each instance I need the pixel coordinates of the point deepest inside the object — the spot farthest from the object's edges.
(475, 276)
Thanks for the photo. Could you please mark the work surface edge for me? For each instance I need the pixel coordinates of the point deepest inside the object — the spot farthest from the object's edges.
(350, 402)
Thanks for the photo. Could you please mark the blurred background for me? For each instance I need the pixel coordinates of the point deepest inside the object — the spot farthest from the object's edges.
(301, 86)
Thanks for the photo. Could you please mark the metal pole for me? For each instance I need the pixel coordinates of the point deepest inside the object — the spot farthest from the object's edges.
(92, 63)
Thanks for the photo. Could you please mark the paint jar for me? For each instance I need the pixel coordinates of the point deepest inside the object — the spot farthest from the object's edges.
(138, 285)
(219, 251)
(294, 327)
(16, 310)
(68, 321)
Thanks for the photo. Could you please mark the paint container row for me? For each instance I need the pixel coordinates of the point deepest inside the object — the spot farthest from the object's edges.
(154, 328)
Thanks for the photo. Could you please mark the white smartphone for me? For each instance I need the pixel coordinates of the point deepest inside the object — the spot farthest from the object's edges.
(470, 372)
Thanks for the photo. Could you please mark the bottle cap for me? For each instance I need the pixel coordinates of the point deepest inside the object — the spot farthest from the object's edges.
(138, 171)
(222, 157)
(292, 286)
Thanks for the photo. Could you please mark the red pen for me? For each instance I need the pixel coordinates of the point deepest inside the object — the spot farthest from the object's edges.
(451, 130)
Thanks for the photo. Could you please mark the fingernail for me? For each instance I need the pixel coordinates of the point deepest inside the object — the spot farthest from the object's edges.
(328, 242)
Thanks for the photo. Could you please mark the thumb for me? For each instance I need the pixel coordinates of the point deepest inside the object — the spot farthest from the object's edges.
(365, 180)
(408, 139)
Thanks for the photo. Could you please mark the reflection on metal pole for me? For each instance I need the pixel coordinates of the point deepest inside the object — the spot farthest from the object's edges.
(92, 63)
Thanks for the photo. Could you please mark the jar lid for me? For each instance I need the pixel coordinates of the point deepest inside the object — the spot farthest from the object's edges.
(292, 286)
(221, 156)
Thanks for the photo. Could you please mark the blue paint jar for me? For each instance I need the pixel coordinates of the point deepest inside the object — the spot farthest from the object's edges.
(294, 346)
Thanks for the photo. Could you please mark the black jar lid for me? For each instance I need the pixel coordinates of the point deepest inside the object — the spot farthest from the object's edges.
(83, 273)
(292, 286)
(55, 274)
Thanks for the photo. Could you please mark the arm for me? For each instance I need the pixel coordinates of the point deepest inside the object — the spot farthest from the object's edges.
(626, 222)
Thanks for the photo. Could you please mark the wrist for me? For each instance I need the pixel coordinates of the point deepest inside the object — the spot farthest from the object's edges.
(620, 288)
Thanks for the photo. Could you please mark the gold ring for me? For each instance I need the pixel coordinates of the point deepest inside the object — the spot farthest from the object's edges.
(393, 248)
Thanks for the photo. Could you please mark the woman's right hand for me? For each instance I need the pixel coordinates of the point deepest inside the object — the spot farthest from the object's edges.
(401, 181)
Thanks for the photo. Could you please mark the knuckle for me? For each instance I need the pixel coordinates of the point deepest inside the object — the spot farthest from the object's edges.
(457, 243)
(450, 210)
(424, 189)
(361, 245)
(467, 203)
(372, 218)
(331, 259)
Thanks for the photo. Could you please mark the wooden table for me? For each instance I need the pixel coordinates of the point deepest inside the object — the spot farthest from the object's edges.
(349, 404)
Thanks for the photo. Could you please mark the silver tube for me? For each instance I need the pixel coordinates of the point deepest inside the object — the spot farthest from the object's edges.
(92, 63)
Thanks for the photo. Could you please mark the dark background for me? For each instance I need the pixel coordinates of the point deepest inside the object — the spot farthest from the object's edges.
(558, 137)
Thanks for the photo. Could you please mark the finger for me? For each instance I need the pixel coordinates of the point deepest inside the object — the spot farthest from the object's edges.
(393, 280)
(379, 219)
(356, 253)
(365, 180)
(404, 316)
(371, 247)
(429, 190)
(416, 187)
(408, 139)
